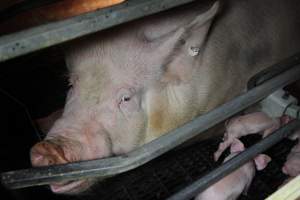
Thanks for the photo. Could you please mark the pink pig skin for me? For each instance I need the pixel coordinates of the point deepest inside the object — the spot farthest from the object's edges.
(245, 125)
(234, 184)
(135, 82)
(292, 165)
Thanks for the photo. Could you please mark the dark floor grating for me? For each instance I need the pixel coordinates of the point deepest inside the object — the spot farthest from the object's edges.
(175, 170)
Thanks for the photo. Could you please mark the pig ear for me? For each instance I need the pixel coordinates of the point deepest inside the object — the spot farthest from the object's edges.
(185, 40)
(197, 30)
(236, 146)
(193, 32)
(261, 161)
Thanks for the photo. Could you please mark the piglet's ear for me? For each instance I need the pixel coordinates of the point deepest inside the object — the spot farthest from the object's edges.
(236, 146)
(261, 161)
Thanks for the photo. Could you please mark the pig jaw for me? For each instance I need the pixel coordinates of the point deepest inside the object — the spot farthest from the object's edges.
(71, 187)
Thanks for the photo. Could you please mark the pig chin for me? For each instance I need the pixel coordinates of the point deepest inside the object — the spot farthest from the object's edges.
(70, 187)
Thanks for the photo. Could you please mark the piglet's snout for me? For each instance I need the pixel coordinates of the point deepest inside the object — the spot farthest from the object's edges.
(47, 153)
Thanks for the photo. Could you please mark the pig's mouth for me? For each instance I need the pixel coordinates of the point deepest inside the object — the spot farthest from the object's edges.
(70, 187)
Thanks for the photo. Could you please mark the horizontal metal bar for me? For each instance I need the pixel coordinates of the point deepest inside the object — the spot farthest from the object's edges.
(112, 166)
(272, 71)
(215, 175)
(43, 36)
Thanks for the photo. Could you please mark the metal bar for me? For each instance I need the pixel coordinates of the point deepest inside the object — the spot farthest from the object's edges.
(43, 36)
(112, 166)
(212, 177)
(272, 71)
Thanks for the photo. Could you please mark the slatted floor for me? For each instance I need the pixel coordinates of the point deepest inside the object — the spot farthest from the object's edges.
(168, 174)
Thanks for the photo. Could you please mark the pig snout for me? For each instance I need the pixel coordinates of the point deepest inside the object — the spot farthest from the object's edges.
(47, 153)
(59, 151)
(72, 138)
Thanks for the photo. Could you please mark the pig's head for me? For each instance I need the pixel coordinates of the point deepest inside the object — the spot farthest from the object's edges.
(129, 86)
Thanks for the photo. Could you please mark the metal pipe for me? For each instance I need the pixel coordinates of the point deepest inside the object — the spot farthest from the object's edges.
(212, 177)
(43, 36)
(112, 166)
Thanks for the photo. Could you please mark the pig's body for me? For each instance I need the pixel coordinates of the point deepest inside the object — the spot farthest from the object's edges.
(252, 123)
(292, 165)
(138, 81)
(234, 184)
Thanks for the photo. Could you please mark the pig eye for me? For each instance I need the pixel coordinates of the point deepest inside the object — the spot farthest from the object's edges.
(128, 103)
(125, 99)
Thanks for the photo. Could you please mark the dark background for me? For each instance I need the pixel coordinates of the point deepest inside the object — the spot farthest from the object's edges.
(31, 87)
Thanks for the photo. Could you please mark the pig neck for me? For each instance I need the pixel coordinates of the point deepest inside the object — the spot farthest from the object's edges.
(171, 103)
(189, 92)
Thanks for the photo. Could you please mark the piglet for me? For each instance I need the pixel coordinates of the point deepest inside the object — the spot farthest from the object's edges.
(234, 184)
(292, 165)
(246, 125)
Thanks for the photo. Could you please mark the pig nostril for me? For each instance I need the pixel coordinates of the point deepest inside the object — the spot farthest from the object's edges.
(50, 162)
(38, 159)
